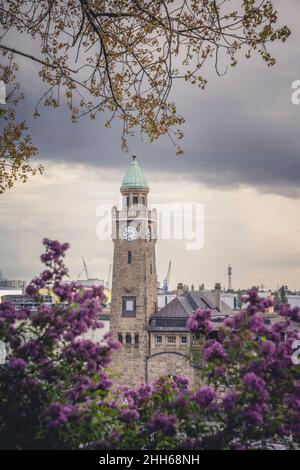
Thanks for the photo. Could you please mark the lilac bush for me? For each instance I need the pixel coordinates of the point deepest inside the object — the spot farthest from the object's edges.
(257, 388)
(55, 391)
(250, 370)
(52, 373)
(249, 397)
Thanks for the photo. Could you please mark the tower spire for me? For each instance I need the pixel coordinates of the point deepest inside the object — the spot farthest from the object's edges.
(134, 178)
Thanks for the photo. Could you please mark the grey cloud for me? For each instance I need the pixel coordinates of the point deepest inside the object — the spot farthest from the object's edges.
(242, 130)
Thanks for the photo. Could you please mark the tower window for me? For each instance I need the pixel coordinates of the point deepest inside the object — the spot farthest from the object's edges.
(120, 338)
(136, 339)
(128, 306)
(158, 339)
(143, 200)
(183, 339)
(129, 257)
(128, 338)
(151, 269)
(127, 201)
(135, 199)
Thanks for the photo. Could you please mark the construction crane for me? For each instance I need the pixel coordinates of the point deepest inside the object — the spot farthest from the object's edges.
(84, 270)
(166, 283)
(107, 284)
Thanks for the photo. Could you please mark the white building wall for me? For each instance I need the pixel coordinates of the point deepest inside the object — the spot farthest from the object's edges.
(7, 291)
(293, 300)
(161, 300)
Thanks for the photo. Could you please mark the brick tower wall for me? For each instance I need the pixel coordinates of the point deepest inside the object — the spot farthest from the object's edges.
(137, 279)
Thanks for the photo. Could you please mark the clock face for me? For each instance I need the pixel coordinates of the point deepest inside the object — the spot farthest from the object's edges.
(130, 233)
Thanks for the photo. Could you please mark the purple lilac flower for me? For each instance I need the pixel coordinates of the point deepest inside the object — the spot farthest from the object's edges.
(17, 363)
(200, 322)
(254, 418)
(7, 311)
(217, 372)
(257, 325)
(163, 423)
(181, 381)
(129, 415)
(256, 384)
(255, 303)
(181, 399)
(214, 350)
(205, 396)
(58, 414)
(229, 401)
(268, 348)
(137, 397)
(291, 313)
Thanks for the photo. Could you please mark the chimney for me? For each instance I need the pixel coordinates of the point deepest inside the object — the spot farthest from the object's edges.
(218, 296)
(180, 290)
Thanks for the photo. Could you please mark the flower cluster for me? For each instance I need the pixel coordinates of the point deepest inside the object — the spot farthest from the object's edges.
(214, 350)
(57, 414)
(256, 384)
(200, 322)
(52, 371)
(251, 366)
(205, 396)
(163, 424)
(55, 391)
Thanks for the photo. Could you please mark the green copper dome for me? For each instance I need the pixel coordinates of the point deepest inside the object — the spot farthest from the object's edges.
(134, 178)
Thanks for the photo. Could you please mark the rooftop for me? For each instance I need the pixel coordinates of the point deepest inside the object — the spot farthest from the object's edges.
(173, 316)
(134, 177)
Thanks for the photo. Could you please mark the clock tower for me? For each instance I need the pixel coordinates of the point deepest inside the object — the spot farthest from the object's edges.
(134, 290)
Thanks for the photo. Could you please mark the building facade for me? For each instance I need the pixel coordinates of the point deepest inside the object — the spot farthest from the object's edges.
(171, 345)
(134, 294)
(155, 342)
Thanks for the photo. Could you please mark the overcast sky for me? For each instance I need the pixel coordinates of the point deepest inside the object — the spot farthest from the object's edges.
(241, 162)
